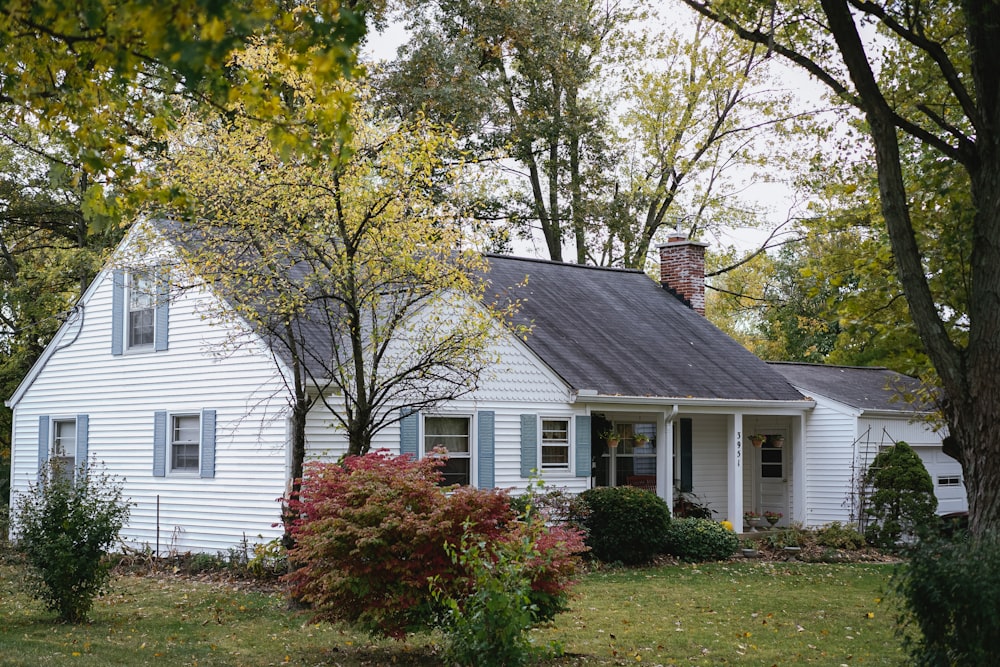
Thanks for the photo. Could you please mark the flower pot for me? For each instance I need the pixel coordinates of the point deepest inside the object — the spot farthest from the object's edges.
(772, 519)
(757, 442)
(778, 441)
(756, 523)
(612, 442)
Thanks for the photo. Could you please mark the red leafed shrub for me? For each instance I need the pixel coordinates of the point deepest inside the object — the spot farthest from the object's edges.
(371, 534)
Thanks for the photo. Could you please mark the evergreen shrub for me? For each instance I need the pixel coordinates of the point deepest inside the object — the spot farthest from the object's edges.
(700, 540)
(902, 501)
(625, 524)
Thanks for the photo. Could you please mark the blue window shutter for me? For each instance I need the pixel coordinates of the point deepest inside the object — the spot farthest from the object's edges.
(687, 446)
(583, 439)
(161, 336)
(82, 440)
(486, 444)
(408, 433)
(529, 445)
(159, 443)
(43, 442)
(208, 443)
(117, 312)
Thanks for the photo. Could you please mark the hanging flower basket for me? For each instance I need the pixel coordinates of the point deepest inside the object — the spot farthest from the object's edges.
(757, 439)
(778, 440)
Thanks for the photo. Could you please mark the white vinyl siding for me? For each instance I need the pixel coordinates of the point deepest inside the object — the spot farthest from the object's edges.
(206, 365)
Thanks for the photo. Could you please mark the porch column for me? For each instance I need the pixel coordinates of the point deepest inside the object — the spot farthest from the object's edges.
(665, 457)
(798, 453)
(734, 457)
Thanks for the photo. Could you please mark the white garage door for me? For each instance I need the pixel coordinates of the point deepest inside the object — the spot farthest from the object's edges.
(946, 472)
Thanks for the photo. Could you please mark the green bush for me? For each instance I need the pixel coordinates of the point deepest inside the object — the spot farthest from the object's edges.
(64, 528)
(625, 524)
(488, 623)
(951, 593)
(838, 536)
(699, 540)
(902, 502)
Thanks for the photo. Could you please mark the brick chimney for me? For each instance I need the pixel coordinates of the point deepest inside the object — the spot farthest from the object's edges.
(682, 269)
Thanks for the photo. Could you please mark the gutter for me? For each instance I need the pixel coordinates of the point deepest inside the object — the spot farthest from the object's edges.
(590, 397)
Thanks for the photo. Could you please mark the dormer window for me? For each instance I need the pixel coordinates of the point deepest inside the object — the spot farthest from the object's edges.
(141, 311)
(140, 306)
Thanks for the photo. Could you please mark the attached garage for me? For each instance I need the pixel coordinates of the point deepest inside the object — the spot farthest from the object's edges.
(875, 408)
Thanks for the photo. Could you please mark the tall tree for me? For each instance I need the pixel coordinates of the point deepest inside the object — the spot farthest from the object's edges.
(348, 264)
(519, 76)
(929, 73)
(606, 134)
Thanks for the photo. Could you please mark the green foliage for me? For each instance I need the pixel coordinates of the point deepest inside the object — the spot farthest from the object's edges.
(625, 524)
(489, 621)
(65, 528)
(699, 540)
(372, 532)
(838, 536)
(902, 502)
(951, 594)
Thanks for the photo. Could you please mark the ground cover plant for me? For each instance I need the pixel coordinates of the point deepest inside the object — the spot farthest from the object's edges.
(738, 612)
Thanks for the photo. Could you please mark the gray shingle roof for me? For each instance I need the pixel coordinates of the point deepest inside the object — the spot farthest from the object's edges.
(618, 332)
(865, 388)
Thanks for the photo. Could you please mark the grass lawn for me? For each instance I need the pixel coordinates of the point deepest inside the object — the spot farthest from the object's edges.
(747, 613)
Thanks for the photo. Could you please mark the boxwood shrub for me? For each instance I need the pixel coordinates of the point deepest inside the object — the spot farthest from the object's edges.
(625, 524)
(697, 540)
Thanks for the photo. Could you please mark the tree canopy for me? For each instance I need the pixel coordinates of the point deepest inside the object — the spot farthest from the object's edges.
(926, 79)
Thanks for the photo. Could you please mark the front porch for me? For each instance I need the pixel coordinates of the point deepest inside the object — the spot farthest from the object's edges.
(705, 454)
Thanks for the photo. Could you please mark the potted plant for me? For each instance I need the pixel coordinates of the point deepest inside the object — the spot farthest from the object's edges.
(778, 440)
(640, 439)
(757, 439)
(752, 519)
(772, 517)
(611, 437)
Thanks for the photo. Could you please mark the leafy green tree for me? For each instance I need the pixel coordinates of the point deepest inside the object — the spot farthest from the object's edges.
(924, 76)
(350, 266)
(616, 134)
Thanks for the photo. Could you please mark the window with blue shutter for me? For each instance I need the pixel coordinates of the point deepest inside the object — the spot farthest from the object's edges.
(140, 310)
(486, 449)
(208, 443)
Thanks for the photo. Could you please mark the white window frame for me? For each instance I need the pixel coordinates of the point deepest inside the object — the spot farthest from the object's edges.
(172, 442)
(471, 420)
(949, 480)
(55, 443)
(555, 469)
(130, 289)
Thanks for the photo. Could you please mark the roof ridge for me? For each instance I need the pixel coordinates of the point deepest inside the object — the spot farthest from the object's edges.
(537, 260)
(818, 365)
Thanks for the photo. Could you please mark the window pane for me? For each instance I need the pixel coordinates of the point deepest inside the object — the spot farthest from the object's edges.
(64, 440)
(141, 302)
(555, 443)
(184, 442)
(456, 471)
(452, 433)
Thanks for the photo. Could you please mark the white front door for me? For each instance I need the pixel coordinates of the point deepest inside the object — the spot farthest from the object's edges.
(773, 466)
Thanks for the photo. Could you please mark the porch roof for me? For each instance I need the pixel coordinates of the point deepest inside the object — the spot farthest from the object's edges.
(616, 332)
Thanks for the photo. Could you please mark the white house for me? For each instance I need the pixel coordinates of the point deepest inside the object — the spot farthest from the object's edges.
(198, 426)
